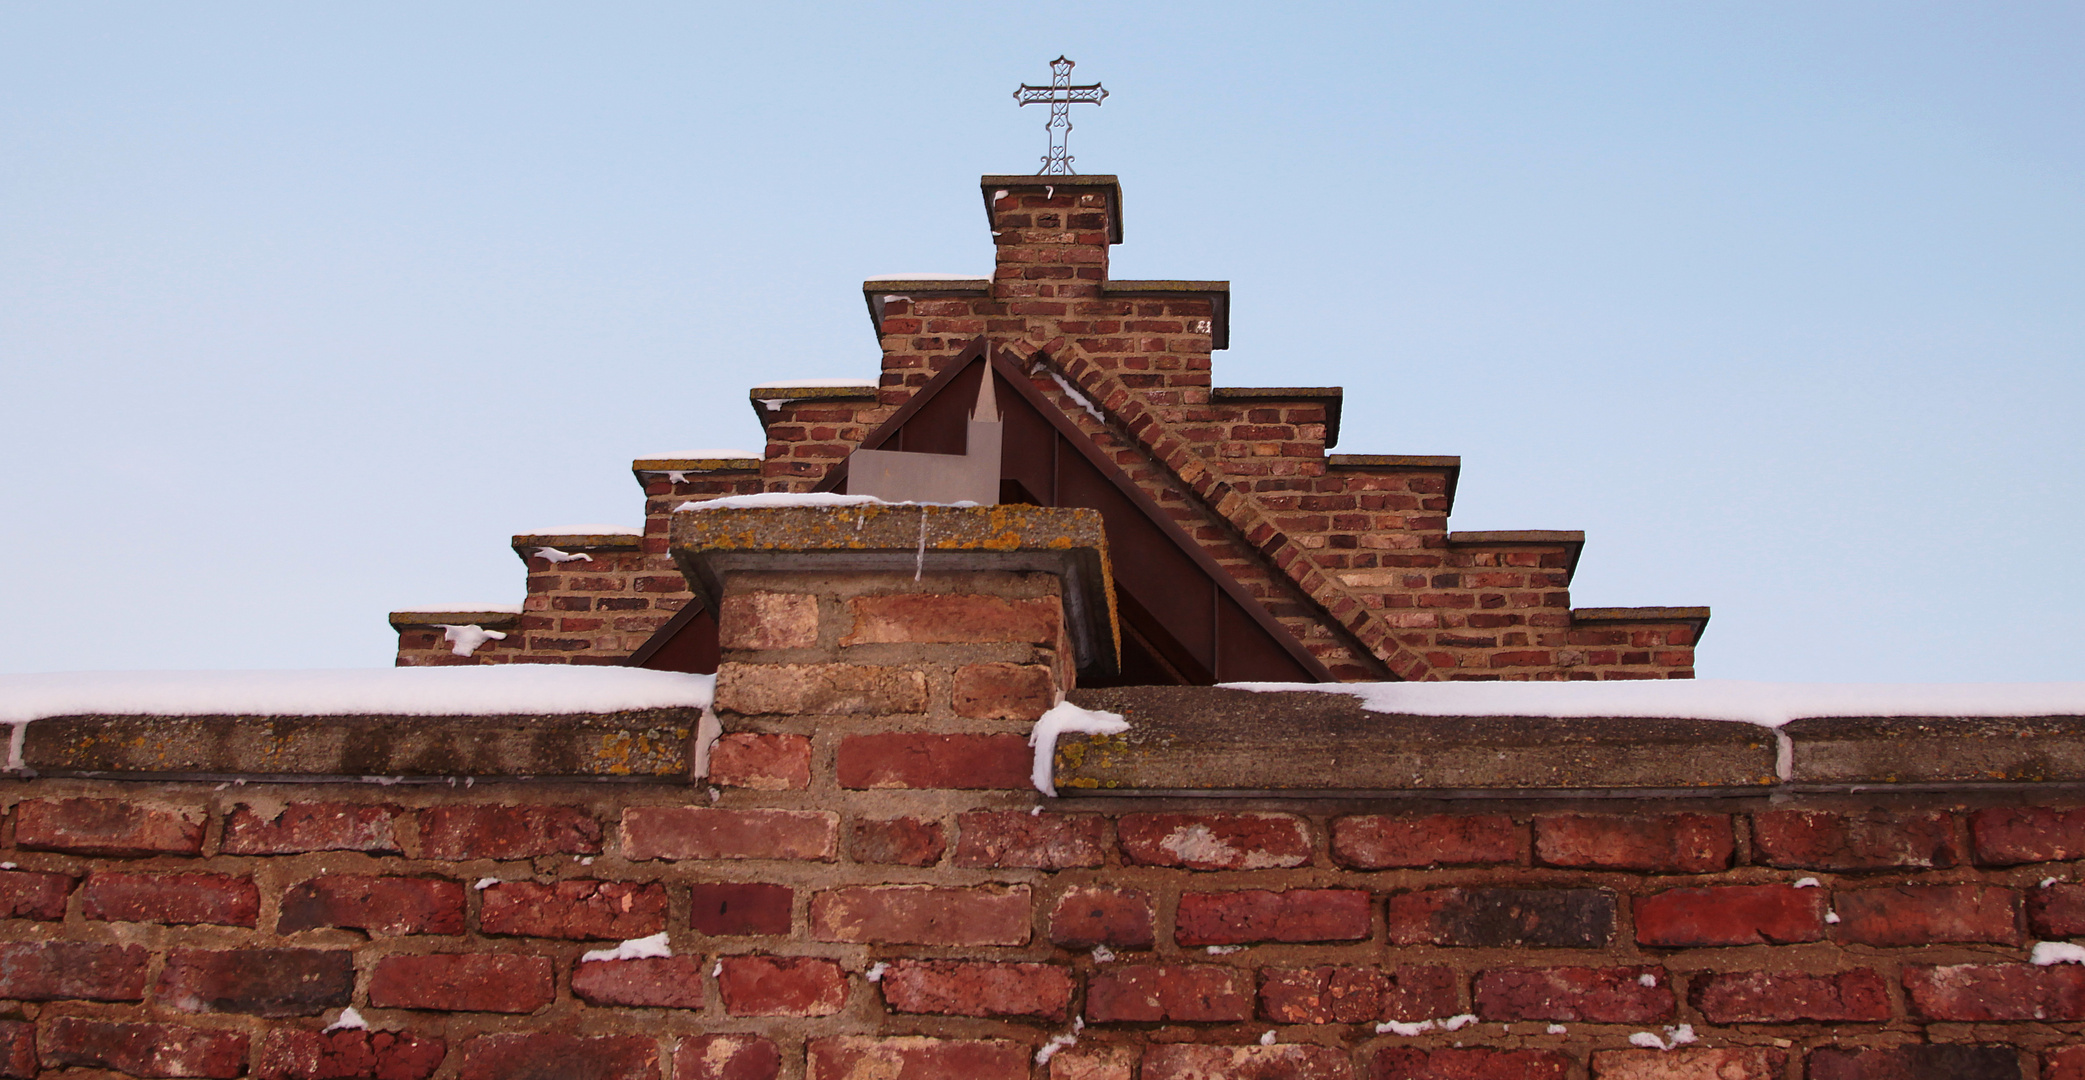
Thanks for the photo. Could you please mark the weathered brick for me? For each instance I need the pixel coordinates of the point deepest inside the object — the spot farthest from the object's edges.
(1730, 915)
(507, 832)
(1280, 1061)
(1407, 1063)
(57, 970)
(1995, 991)
(702, 832)
(1086, 916)
(767, 620)
(900, 841)
(1830, 840)
(1003, 691)
(904, 759)
(259, 982)
(1356, 995)
(915, 1057)
(29, 894)
(734, 908)
(1919, 1061)
(977, 988)
(1924, 914)
(1382, 842)
(463, 982)
(2011, 835)
(17, 1049)
(375, 904)
(761, 762)
(952, 618)
(115, 827)
(1503, 918)
(546, 1056)
(2064, 1063)
(142, 1049)
(726, 1057)
(1215, 841)
(1017, 838)
(294, 828)
(819, 689)
(2057, 910)
(781, 986)
(1150, 993)
(654, 982)
(1252, 915)
(1661, 843)
(577, 910)
(922, 915)
(346, 1055)
(1691, 1063)
(180, 899)
(1095, 1063)
(1617, 995)
(1781, 997)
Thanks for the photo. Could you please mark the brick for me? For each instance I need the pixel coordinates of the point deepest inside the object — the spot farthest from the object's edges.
(295, 828)
(2057, 910)
(1095, 1063)
(1877, 840)
(702, 832)
(915, 1057)
(1255, 915)
(462, 982)
(726, 1057)
(900, 841)
(142, 1049)
(1617, 995)
(952, 618)
(1927, 1061)
(1017, 838)
(347, 1055)
(1660, 843)
(374, 904)
(1406, 1063)
(2012, 835)
(1924, 914)
(978, 988)
(761, 762)
(545, 1056)
(1149, 993)
(1381, 842)
(738, 908)
(922, 915)
(1357, 995)
(767, 620)
(1503, 918)
(1691, 1063)
(57, 970)
(17, 1049)
(576, 910)
(819, 689)
(2064, 1063)
(919, 760)
(1780, 997)
(29, 894)
(1000, 691)
(1086, 916)
(1730, 915)
(115, 827)
(507, 832)
(177, 899)
(1995, 991)
(656, 982)
(258, 982)
(781, 986)
(1281, 1061)
(1215, 841)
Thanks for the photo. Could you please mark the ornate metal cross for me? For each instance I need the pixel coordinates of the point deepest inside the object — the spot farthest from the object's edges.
(1060, 96)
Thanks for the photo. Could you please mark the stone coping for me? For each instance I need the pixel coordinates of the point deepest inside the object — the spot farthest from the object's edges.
(641, 466)
(1571, 539)
(1697, 617)
(861, 392)
(524, 543)
(1330, 396)
(1109, 185)
(488, 620)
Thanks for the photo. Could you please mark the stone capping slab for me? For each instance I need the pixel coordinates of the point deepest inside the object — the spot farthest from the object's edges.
(1571, 539)
(1937, 750)
(639, 745)
(1069, 542)
(578, 541)
(640, 466)
(861, 392)
(1109, 185)
(488, 620)
(1330, 396)
(1697, 617)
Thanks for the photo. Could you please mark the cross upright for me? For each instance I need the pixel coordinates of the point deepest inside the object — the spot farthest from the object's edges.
(1060, 96)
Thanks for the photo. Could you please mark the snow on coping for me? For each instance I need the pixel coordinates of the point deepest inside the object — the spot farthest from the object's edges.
(926, 277)
(1065, 717)
(1763, 703)
(493, 690)
(583, 530)
(769, 500)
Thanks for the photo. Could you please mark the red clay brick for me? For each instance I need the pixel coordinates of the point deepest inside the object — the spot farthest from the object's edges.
(1086, 916)
(726, 1057)
(541, 1054)
(463, 982)
(1933, 1061)
(56, 970)
(1503, 918)
(576, 910)
(507, 832)
(1615, 995)
(1877, 840)
(1253, 915)
(142, 1049)
(1730, 915)
(915, 1057)
(781, 986)
(1279, 1061)
(761, 762)
(181, 899)
(1017, 838)
(1782, 997)
(344, 1055)
(115, 827)
(1382, 842)
(17, 1049)
(294, 828)
(1215, 841)
(1406, 1063)
(1150, 993)
(901, 841)
(922, 915)
(1691, 1063)
(977, 988)
(259, 982)
(767, 620)
(2011, 835)
(919, 760)
(735, 908)
(1095, 1063)
(374, 904)
(656, 982)
(1661, 843)
(1003, 691)
(1975, 992)
(28, 894)
(1356, 995)
(2064, 1063)
(949, 618)
(701, 832)
(1924, 914)
(2057, 910)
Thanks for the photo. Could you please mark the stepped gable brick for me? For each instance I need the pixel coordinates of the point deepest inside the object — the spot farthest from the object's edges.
(2011, 835)
(1095, 1063)
(1975, 992)
(31, 894)
(2057, 910)
(463, 982)
(1181, 993)
(1001, 691)
(1251, 915)
(1406, 1063)
(726, 1057)
(374, 904)
(761, 762)
(456, 833)
(1691, 1063)
(1090, 915)
(2064, 1063)
(920, 760)
(1924, 914)
(541, 1054)
(952, 618)
(141, 1049)
(1832, 840)
(819, 689)
(576, 910)
(1383, 842)
(1016, 838)
(111, 827)
(724, 908)
(1616, 995)
(915, 1057)
(1784, 997)
(703, 832)
(977, 988)
(290, 1054)
(182, 899)
(653, 982)
(1503, 918)
(1281, 1061)
(295, 828)
(259, 982)
(1730, 915)
(17, 1049)
(1236, 841)
(922, 915)
(1357, 995)
(58, 970)
(1918, 1061)
(899, 841)
(1661, 843)
(767, 620)
(781, 986)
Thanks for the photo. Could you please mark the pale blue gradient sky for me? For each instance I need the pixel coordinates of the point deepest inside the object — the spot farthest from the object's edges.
(304, 309)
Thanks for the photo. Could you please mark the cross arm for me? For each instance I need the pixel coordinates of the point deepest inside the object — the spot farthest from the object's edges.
(1046, 95)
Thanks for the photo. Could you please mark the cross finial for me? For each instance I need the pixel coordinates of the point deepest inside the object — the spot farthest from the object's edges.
(1060, 96)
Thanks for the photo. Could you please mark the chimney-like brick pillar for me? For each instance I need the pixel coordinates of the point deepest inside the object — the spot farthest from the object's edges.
(1051, 236)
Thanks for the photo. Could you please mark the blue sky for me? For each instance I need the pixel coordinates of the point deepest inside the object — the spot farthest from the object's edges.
(304, 309)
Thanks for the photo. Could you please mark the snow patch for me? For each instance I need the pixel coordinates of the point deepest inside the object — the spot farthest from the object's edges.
(1831, 916)
(1081, 400)
(1646, 979)
(1225, 950)
(350, 1020)
(1674, 1036)
(2046, 953)
(768, 500)
(644, 948)
(1557, 1029)
(875, 973)
(465, 639)
(551, 554)
(1410, 1030)
(1807, 883)
(1267, 1038)
(1064, 718)
(484, 883)
(1101, 953)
